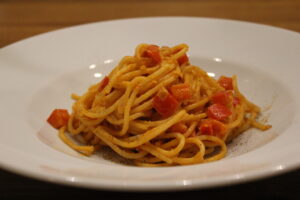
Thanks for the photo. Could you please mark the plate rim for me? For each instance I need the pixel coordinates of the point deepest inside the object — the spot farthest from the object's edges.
(149, 18)
(63, 181)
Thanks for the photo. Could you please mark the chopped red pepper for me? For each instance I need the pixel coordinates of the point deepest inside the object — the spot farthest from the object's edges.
(226, 82)
(181, 91)
(183, 59)
(218, 112)
(212, 127)
(58, 118)
(206, 128)
(103, 83)
(152, 51)
(222, 97)
(165, 105)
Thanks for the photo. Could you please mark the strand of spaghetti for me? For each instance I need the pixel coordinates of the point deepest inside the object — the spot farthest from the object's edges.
(139, 50)
(124, 99)
(141, 126)
(127, 111)
(90, 98)
(168, 145)
(102, 114)
(244, 125)
(170, 72)
(197, 158)
(88, 122)
(180, 51)
(188, 117)
(173, 74)
(188, 78)
(194, 117)
(75, 96)
(159, 79)
(123, 153)
(209, 150)
(86, 150)
(93, 88)
(118, 122)
(154, 90)
(136, 130)
(98, 101)
(90, 138)
(240, 95)
(121, 85)
(164, 69)
(71, 128)
(112, 97)
(147, 105)
(198, 104)
(174, 151)
(150, 159)
(208, 91)
(143, 138)
(179, 71)
(260, 126)
(191, 129)
(209, 144)
(86, 100)
(179, 47)
(240, 116)
(212, 82)
(217, 140)
(154, 152)
(152, 123)
(196, 84)
(114, 78)
(123, 63)
(141, 71)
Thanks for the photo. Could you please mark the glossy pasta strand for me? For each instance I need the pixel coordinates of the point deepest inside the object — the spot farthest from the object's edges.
(123, 115)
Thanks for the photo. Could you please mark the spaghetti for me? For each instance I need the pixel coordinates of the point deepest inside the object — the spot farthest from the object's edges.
(157, 109)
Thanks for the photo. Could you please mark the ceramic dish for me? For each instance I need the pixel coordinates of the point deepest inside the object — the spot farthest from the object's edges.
(39, 74)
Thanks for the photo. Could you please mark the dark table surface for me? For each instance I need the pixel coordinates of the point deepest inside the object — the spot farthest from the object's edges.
(21, 19)
(284, 186)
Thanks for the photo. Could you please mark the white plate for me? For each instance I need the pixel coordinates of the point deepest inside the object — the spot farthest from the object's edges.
(39, 74)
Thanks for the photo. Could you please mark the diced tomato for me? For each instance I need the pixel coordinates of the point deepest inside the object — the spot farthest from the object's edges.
(222, 97)
(236, 101)
(212, 127)
(181, 91)
(183, 59)
(152, 51)
(218, 112)
(206, 128)
(103, 83)
(165, 105)
(226, 82)
(58, 118)
(179, 127)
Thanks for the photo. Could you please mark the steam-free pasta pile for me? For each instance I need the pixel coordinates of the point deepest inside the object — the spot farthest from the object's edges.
(157, 109)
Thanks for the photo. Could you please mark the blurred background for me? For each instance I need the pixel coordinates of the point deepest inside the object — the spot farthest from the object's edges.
(20, 19)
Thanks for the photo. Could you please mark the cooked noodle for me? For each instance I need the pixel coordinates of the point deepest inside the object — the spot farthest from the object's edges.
(120, 112)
